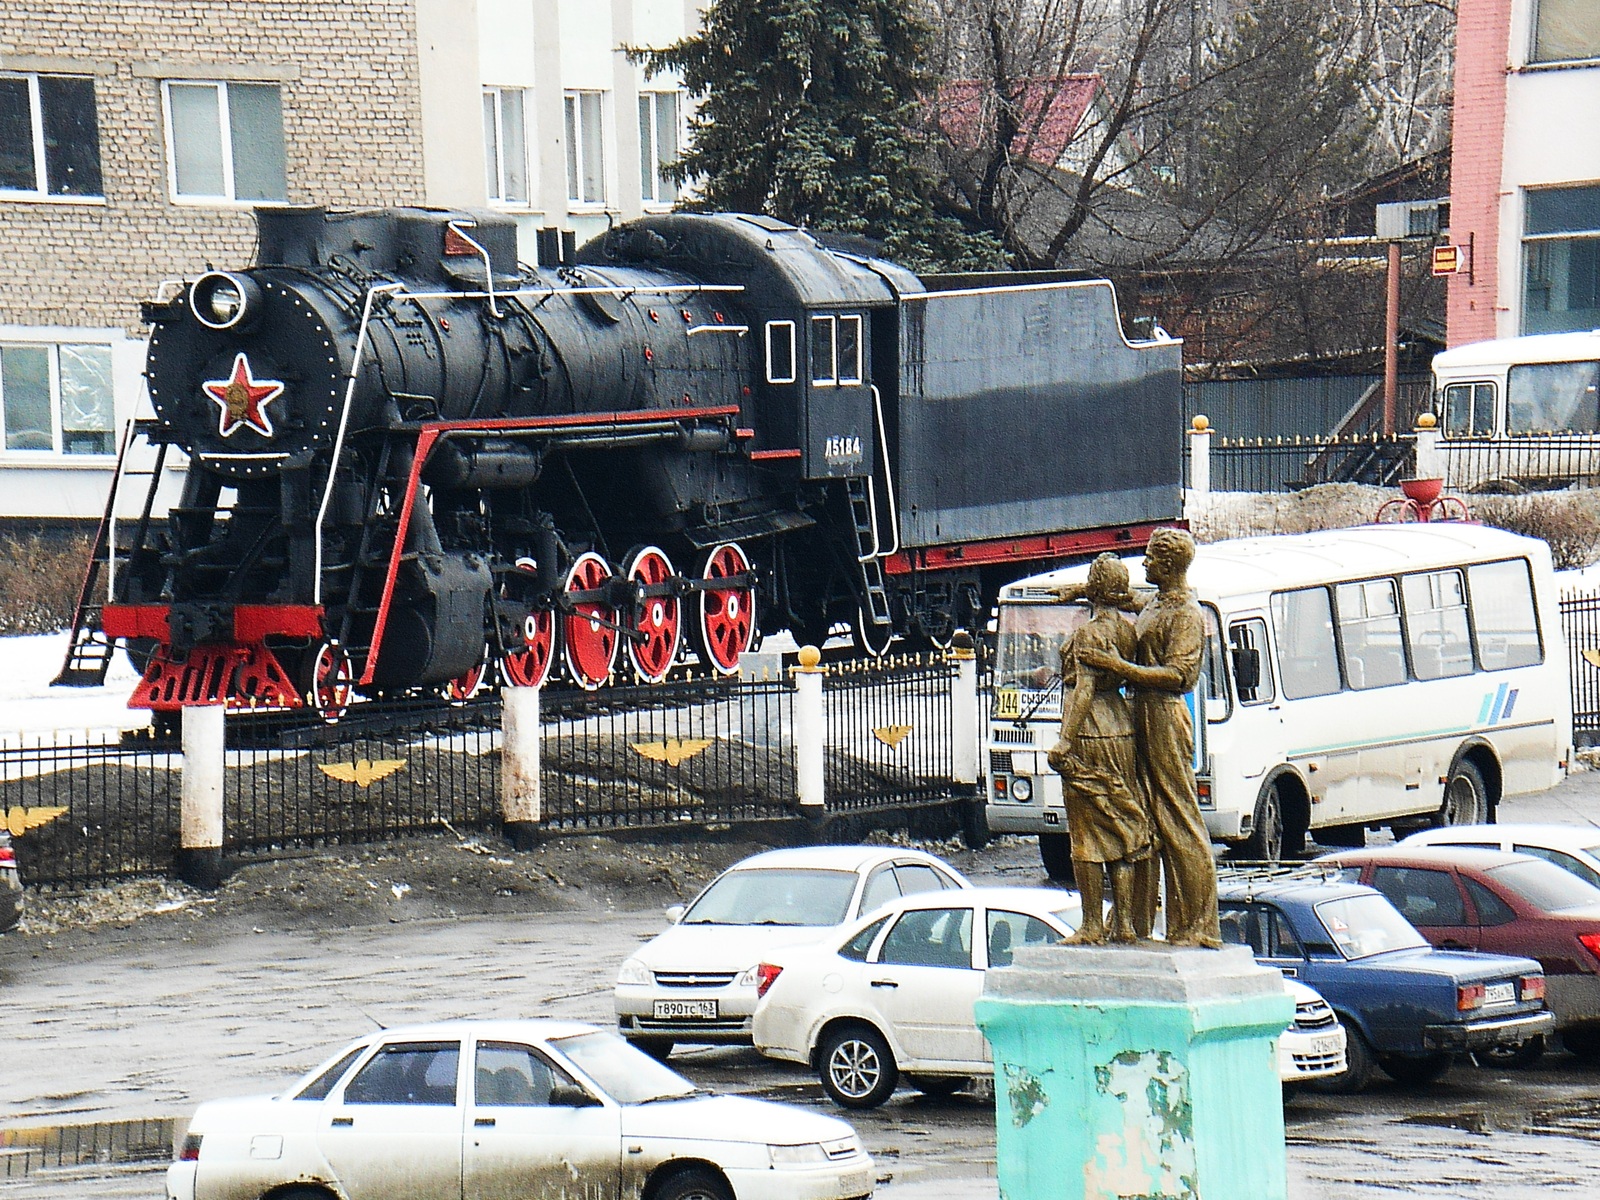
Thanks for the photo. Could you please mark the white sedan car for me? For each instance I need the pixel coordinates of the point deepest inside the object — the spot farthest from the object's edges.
(894, 995)
(488, 1110)
(1313, 1046)
(696, 982)
(1573, 848)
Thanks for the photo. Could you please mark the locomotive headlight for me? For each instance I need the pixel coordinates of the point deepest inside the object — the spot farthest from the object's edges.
(223, 301)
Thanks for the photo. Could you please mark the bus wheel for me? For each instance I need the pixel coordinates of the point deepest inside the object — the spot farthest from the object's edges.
(1265, 843)
(1055, 851)
(1466, 798)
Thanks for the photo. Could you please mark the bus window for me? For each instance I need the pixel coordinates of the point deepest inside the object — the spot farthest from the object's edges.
(1436, 624)
(1307, 661)
(1553, 398)
(1369, 627)
(1469, 410)
(1252, 667)
(1503, 619)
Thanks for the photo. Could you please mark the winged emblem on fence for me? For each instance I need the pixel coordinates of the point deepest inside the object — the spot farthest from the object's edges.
(672, 751)
(1592, 657)
(19, 820)
(364, 772)
(891, 735)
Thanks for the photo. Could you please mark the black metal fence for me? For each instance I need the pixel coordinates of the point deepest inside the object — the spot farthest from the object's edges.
(1290, 463)
(1512, 463)
(1580, 627)
(704, 752)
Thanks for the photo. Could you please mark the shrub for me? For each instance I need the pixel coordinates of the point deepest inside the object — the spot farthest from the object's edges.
(1568, 521)
(39, 579)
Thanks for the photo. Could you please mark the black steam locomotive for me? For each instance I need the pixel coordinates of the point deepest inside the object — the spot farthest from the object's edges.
(411, 459)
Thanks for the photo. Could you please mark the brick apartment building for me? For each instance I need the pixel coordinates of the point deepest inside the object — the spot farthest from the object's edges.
(136, 136)
(1525, 175)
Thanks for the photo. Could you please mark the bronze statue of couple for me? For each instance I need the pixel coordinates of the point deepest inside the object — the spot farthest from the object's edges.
(1126, 768)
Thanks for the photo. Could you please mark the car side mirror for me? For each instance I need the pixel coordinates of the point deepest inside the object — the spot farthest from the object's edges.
(675, 913)
(570, 1095)
(1246, 668)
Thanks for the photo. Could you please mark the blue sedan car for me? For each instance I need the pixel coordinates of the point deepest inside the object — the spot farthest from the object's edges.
(1406, 1007)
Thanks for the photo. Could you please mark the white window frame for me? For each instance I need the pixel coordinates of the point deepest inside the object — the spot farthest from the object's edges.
(650, 152)
(225, 132)
(572, 101)
(56, 451)
(1534, 26)
(831, 323)
(497, 167)
(773, 329)
(41, 182)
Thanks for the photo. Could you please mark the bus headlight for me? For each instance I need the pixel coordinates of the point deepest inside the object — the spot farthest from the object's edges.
(1022, 788)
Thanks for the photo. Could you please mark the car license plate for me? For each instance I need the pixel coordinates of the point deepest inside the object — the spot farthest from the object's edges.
(668, 1010)
(1499, 993)
(1325, 1045)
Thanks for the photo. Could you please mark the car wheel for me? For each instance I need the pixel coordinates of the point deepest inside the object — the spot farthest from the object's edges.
(1055, 851)
(1585, 1043)
(1524, 1054)
(1359, 1064)
(1416, 1070)
(938, 1085)
(693, 1183)
(857, 1067)
(656, 1048)
(1466, 798)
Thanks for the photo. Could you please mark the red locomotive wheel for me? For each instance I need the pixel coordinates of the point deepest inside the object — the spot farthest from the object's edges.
(659, 618)
(530, 666)
(332, 682)
(727, 615)
(465, 685)
(589, 634)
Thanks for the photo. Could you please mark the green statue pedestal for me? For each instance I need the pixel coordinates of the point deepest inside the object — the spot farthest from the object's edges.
(1146, 1073)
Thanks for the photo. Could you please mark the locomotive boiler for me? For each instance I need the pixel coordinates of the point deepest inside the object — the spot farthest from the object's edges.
(412, 461)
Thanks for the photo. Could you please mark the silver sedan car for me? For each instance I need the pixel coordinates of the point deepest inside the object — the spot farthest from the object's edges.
(492, 1110)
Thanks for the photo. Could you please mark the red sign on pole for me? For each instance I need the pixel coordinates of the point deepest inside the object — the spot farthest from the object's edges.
(1446, 260)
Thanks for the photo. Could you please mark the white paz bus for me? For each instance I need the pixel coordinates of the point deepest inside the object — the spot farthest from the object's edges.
(1390, 674)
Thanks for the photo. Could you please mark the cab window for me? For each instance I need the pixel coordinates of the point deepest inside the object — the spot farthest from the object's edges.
(1252, 666)
(780, 352)
(824, 351)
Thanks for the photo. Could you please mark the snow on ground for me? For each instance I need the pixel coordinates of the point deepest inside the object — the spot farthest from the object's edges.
(30, 707)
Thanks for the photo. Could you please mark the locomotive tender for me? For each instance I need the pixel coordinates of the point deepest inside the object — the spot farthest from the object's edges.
(410, 457)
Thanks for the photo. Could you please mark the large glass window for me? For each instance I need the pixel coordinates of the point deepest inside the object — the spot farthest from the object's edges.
(1566, 30)
(1561, 253)
(49, 135)
(1436, 624)
(586, 162)
(1503, 616)
(658, 146)
(1303, 624)
(1553, 398)
(56, 398)
(225, 140)
(1369, 630)
(505, 145)
(1469, 410)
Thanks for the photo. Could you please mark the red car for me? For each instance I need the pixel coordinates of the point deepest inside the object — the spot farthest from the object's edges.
(1502, 903)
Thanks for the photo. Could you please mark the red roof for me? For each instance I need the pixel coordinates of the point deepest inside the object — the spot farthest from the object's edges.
(1050, 113)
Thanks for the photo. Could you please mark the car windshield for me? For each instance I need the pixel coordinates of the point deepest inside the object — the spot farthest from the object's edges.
(627, 1075)
(1545, 886)
(775, 896)
(1365, 925)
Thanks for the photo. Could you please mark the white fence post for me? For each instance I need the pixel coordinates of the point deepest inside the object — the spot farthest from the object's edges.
(810, 732)
(199, 860)
(520, 744)
(1430, 463)
(1200, 456)
(964, 732)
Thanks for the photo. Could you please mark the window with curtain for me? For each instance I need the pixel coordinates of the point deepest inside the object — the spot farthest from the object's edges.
(225, 140)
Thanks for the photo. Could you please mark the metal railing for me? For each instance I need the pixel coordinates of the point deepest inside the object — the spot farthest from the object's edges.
(1580, 628)
(1290, 463)
(889, 732)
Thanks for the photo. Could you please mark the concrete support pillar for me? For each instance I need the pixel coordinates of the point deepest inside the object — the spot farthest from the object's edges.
(966, 735)
(1137, 1071)
(1430, 462)
(199, 860)
(810, 734)
(1200, 455)
(520, 744)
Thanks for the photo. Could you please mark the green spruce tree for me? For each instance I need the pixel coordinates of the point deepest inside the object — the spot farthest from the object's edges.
(807, 113)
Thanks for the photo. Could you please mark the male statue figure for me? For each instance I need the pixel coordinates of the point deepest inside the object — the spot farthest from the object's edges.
(1170, 637)
(1107, 825)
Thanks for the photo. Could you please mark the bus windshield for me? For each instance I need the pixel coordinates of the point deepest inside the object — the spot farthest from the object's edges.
(1028, 653)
